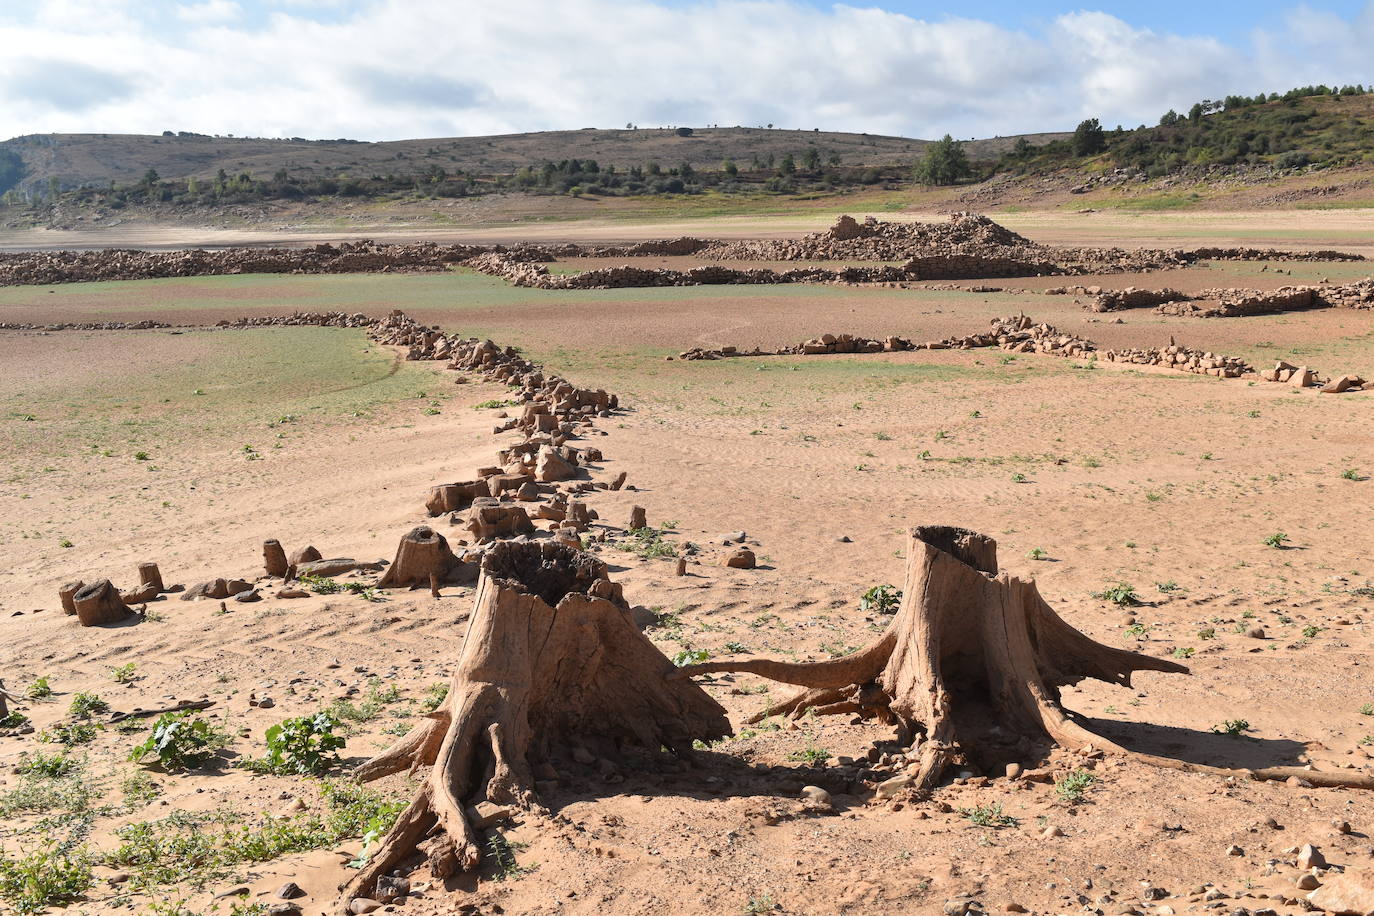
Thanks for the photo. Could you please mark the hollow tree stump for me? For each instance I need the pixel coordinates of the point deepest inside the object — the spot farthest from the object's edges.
(274, 559)
(150, 577)
(67, 593)
(971, 665)
(424, 559)
(552, 661)
(99, 603)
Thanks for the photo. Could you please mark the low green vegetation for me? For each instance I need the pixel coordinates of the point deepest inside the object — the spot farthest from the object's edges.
(881, 599)
(1074, 785)
(302, 746)
(45, 877)
(179, 741)
(1120, 594)
(988, 815)
(199, 848)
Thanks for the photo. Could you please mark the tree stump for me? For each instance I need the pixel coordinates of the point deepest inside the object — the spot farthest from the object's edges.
(423, 559)
(972, 665)
(638, 518)
(67, 593)
(150, 577)
(99, 603)
(552, 661)
(274, 559)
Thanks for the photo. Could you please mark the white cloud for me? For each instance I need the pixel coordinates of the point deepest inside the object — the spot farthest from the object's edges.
(211, 11)
(407, 68)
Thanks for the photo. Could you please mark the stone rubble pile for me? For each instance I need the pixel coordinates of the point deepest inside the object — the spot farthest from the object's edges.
(45, 267)
(967, 246)
(1020, 334)
(1232, 302)
(144, 325)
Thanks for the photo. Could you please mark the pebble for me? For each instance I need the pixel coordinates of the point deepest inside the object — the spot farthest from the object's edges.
(1049, 832)
(1307, 882)
(1234, 850)
(360, 905)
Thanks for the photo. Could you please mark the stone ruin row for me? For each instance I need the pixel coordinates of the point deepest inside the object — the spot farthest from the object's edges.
(1236, 303)
(1019, 334)
(966, 247)
(537, 472)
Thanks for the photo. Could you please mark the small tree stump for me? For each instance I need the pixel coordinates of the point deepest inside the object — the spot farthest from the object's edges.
(274, 559)
(150, 575)
(638, 518)
(552, 662)
(423, 559)
(99, 603)
(66, 593)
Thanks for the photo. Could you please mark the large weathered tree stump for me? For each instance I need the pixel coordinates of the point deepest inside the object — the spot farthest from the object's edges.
(971, 665)
(424, 557)
(552, 660)
(99, 603)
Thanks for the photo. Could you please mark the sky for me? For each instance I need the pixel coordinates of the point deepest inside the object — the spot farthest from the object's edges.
(397, 69)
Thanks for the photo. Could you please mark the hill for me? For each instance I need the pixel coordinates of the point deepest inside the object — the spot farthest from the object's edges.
(79, 160)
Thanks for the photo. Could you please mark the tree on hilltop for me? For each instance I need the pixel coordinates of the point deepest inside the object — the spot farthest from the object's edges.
(1088, 138)
(945, 163)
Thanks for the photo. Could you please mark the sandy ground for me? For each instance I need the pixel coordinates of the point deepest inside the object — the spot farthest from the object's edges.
(1170, 483)
(1343, 229)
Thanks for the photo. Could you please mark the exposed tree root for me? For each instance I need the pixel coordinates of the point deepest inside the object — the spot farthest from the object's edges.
(551, 661)
(968, 642)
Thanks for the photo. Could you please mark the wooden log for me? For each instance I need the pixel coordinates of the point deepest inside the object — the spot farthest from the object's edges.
(150, 575)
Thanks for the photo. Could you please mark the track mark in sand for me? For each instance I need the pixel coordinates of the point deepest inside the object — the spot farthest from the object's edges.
(707, 340)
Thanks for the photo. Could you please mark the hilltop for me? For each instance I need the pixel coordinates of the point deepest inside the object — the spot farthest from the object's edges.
(78, 160)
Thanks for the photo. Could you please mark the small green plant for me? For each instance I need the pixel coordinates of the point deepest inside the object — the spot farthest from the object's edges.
(647, 544)
(1121, 594)
(435, 694)
(180, 741)
(1138, 631)
(493, 405)
(759, 903)
(1232, 727)
(690, 657)
(139, 789)
(1276, 540)
(1311, 630)
(49, 766)
(1036, 553)
(13, 719)
(1167, 587)
(123, 674)
(68, 734)
(39, 689)
(1367, 709)
(65, 542)
(735, 647)
(141, 456)
(502, 853)
(989, 815)
(1091, 463)
(47, 877)
(881, 599)
(1073, 786)
(811, 756)
(1207, 633)
(85, 705)
(1018, 477)
(1253, 414)
(1184, 652)
(882, 437)
(1350, 474)
(303, 746)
